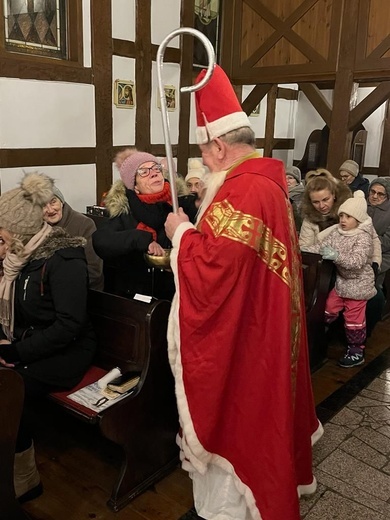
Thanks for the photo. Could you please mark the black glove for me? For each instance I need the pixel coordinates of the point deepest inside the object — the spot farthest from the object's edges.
(375, 267)
(9, 353)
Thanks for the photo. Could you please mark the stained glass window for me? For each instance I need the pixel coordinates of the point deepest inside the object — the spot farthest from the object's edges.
(36, 27)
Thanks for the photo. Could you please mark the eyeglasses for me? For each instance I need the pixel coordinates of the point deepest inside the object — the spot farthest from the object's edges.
(145, 171)
(379, 194)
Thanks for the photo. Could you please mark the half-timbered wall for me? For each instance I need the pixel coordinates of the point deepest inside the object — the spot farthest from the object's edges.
(60, 117)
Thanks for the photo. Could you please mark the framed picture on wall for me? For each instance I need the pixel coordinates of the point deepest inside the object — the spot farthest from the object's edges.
(255, 111)
(124, 93)
(207, 16)
(170, 98)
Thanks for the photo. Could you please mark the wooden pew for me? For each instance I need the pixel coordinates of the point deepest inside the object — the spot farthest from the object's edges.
(11, 405)
(317, 276)
(132, 335)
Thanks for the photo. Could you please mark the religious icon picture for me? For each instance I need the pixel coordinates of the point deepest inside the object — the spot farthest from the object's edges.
(256, 110)
(170, 97)
(124, 93)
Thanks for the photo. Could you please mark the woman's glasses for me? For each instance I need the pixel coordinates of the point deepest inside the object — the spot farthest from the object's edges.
(379, 194)
(145, 171)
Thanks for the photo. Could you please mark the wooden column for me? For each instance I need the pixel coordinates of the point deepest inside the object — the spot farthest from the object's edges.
(186, 78)
(102, 72)
(143, 74)
(384, 163)
(270, 121)
(340, 137)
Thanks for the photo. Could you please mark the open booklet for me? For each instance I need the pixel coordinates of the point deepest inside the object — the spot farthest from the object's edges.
(98, 395)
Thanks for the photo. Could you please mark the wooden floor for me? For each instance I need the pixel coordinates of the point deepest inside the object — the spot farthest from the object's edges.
(77, 481)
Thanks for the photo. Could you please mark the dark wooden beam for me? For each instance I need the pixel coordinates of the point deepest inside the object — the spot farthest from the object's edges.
(28, 157)
(287, 93)
(270, 121)
(340, 138)
(186, 60)
(123, 48)
(102, 71)
(369, 104)
(255, 96)
(384, 162)
(318, 100)
(143, 74)
(44, 69)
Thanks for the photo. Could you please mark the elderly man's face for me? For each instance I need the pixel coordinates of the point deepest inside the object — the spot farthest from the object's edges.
(210, 156)
(195, 185)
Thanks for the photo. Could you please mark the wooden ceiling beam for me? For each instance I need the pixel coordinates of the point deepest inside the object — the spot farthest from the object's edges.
(255, 96)
(318, 100)
(369, 104)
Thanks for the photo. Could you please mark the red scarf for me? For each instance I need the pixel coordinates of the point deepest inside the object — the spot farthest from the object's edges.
(153, 198)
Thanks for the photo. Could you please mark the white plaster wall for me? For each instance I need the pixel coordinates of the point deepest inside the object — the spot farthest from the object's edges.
(257, 121)
(87, 33)
(77, 182)
(171, 76)
(374, 126)
(123, 118)
(123, 19)
(46, 114)
(307, 120)
(165, 18)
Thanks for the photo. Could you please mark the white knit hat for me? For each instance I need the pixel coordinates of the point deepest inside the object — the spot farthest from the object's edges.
(195, 169)
(356, 207)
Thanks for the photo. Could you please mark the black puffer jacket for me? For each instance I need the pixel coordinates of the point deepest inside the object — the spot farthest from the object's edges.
(53, 336)
(122, 245)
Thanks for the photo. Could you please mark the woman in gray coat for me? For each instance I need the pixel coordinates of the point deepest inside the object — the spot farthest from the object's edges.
(379, 211)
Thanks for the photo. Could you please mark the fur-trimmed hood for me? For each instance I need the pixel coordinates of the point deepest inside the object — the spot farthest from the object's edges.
(315, 217)
(58, 239)
(116, 200)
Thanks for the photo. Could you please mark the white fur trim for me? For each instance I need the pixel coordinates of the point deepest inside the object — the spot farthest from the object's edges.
(180, 230)
(221, 126)
(201, 135)
(317, 434)
(308, 489)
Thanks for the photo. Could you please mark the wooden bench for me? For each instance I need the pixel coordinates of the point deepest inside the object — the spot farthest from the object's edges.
(11, 405)
(132, 335)
(317, 277)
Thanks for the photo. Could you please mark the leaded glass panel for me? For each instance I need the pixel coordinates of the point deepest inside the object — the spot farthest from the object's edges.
(36, 27)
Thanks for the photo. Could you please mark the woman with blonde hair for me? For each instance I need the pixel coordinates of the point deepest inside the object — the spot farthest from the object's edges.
(321, 200)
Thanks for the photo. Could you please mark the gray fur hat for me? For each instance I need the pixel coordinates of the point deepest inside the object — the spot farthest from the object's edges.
(383, 181)
(295, 172)
(21, 209)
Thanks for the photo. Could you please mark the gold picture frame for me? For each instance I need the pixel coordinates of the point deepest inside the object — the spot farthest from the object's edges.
(170, 98)
(124, 93)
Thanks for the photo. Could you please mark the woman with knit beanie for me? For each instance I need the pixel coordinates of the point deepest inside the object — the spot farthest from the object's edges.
(379, 211)
(138, 205)
(46, 335)
(322, 199)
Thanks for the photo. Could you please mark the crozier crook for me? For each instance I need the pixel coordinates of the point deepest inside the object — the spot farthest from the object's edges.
(192, 88)
(163, 262)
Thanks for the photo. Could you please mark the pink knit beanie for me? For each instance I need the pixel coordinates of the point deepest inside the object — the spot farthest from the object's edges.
(128, 169)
